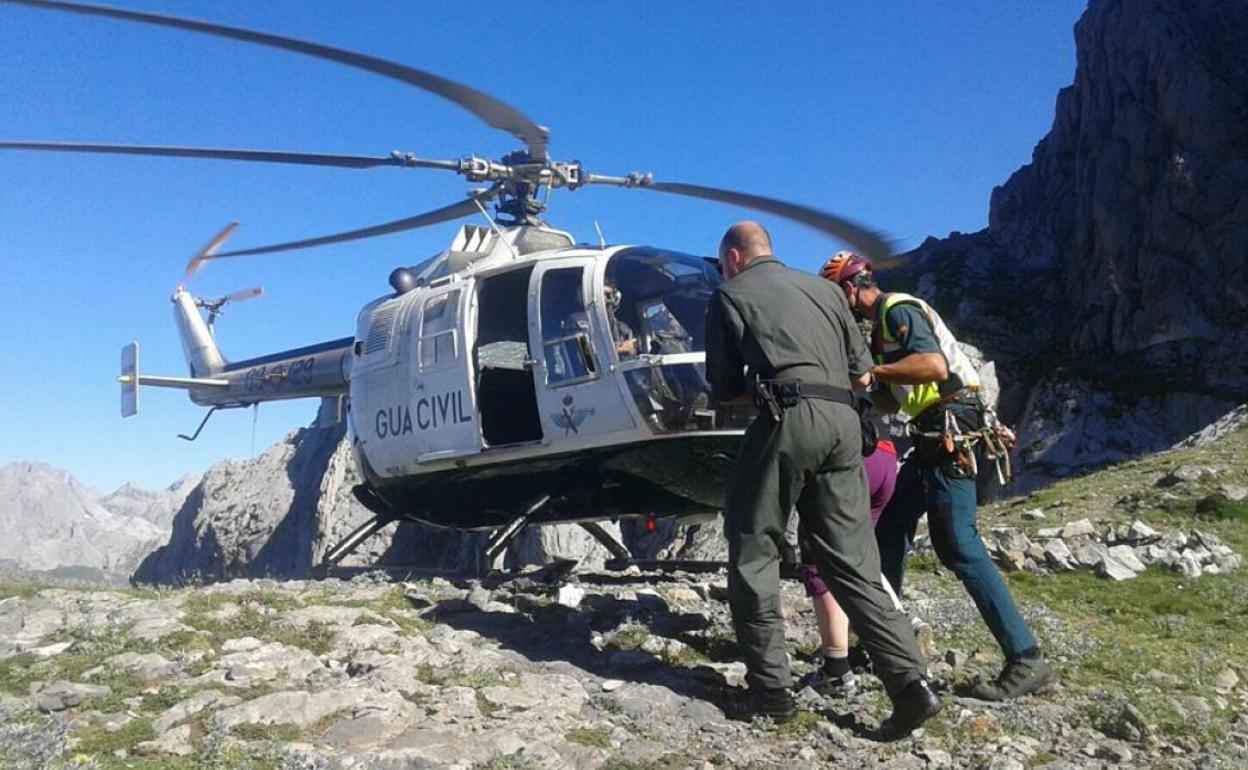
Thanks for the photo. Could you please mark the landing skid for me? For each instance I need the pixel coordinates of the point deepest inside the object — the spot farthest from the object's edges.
(383, 516)
(489, 557)
(506, 535)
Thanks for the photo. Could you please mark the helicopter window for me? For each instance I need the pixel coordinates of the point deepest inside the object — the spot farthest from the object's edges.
(437, 330)
(664, 297)
(565, 327)
(664, 333)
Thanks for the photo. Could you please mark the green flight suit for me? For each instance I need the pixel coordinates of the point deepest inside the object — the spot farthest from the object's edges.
(785, 324)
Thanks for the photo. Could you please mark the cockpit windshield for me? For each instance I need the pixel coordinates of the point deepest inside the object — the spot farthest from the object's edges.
(657, 301)
(661, 298)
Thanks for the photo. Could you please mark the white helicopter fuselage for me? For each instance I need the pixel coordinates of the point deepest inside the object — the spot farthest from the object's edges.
(515, 364)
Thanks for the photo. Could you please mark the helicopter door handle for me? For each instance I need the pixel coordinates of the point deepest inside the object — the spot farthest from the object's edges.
(528, 363)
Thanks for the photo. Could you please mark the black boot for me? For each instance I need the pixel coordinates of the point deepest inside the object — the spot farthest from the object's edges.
(776, 703)
(911, 708)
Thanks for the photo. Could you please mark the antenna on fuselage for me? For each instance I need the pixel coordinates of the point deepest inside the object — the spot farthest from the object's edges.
(602, 242)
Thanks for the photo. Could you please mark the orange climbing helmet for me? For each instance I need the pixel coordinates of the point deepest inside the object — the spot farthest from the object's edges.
(844, 266)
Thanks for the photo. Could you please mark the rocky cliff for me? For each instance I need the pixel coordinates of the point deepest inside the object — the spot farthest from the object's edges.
(55, 525)
(1111, 284)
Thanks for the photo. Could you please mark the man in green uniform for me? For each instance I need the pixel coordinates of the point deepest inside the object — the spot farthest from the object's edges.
(787, 339)
(929, 380)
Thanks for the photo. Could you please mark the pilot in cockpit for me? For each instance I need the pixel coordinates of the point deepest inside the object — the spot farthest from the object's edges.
(621, 333)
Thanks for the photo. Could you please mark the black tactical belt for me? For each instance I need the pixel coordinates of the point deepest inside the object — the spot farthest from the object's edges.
(774, 396)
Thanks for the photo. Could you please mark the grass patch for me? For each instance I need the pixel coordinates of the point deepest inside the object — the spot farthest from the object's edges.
(9, 589)
(594, 737)
(476, 679)
(317, 638)
(262, 620)
(282, 731)
(18, 672)
(800, 725)
(182, 642)
(165, 699)
(684, 657)
(30, 589)
(395, 607)
(486, 708)
(1219, 508)
(199, 603)
(124, 684)
(98, 740)
(717, 644)
(1160, 621)
(629, 636)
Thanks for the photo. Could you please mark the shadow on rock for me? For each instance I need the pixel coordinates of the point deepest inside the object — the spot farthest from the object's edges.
(555, 633)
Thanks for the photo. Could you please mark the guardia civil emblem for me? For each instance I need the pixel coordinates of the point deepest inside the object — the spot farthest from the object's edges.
(570, 417)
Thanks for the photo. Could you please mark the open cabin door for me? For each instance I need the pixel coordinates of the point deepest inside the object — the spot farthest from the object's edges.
(504, 360)
(576, 394)
(442, 412)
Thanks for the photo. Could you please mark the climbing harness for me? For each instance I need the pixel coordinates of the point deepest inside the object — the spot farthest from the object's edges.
(995, 437)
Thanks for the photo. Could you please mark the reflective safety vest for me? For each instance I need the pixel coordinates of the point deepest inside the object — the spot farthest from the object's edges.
(914, 399)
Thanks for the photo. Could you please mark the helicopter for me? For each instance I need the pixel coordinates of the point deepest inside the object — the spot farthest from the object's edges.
(518, 377)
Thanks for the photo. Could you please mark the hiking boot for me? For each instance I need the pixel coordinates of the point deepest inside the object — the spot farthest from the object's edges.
(911, 708)
(830, 685)
(1018, 678)
(777, 704)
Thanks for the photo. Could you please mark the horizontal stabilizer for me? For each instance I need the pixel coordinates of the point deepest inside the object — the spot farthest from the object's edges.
(130, 380)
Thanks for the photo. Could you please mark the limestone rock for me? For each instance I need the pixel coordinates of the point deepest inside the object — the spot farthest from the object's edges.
(62, 695)
(1125, 555)
(303, 709)
(1133, 194)
(1225, 681)
(1114, 570)
(199, 702)
(1078, 528)
(1058, 556)
(176, 742)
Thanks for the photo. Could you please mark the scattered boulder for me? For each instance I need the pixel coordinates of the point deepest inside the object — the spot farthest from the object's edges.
(175, 742)
(1184, 474)
(1077, 529)
(1225, 681)
(61, 695)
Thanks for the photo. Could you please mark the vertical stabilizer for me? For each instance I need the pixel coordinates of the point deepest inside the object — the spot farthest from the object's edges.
(198, 346)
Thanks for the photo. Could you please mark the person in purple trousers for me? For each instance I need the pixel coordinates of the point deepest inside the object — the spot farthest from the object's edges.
(833, 675)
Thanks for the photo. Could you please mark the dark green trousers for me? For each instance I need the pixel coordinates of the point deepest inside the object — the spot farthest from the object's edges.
(812, 461)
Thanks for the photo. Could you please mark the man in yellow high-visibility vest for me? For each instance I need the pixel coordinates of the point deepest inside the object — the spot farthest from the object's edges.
(924, 375)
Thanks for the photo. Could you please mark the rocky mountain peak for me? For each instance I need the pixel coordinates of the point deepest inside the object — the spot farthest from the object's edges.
(53, 522)
(1111, 275)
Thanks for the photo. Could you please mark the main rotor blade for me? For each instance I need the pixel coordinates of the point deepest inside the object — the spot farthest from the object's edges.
(864, 240)
(262, 156)
(491, 110)
(447, 213)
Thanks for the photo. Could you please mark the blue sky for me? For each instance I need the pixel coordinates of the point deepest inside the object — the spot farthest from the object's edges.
(900, 115)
